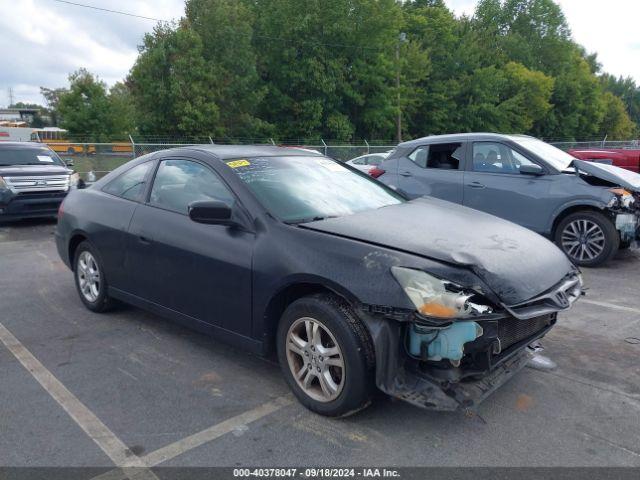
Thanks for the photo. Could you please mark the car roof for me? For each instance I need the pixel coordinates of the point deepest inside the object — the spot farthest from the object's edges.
(26, 145)
(460, 137)
(225, 152)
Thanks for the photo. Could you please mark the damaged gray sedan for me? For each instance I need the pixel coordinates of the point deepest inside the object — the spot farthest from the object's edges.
(283, 250)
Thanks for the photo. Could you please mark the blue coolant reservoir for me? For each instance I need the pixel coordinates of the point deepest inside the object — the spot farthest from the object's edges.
(447, 343)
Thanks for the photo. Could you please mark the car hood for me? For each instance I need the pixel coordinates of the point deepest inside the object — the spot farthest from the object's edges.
(516, 263)
(625, 178)
(25, 170)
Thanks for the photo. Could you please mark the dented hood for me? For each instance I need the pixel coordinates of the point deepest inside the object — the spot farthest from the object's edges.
(516, 263)
(619, 176)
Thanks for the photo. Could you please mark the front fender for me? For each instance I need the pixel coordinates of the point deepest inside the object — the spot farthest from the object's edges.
(580, 202)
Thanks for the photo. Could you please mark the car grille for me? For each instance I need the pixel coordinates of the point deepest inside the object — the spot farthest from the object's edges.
(514, 330)
(29, 184)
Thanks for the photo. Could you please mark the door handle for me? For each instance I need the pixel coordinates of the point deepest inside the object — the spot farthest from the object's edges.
(144, 240)
(475, 185)
(406, 174)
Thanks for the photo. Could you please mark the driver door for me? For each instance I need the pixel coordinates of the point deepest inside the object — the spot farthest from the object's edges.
(203, 271)
(493, 183)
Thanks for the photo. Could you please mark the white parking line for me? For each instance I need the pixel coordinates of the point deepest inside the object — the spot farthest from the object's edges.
(129, 465)
(181, 446)
(610, 305)
(117, 451)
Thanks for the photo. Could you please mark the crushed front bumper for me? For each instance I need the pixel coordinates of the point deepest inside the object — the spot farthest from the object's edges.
(424, 392)
(454, 388)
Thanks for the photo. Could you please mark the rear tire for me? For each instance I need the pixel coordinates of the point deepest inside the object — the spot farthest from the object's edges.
(90, 280)
(330, 369)
(588, 238)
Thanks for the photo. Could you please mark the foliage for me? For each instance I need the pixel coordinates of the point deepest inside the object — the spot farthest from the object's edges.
(87, 109)
(309, 69)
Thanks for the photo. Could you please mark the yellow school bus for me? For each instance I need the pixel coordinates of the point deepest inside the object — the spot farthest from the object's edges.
(56, 139)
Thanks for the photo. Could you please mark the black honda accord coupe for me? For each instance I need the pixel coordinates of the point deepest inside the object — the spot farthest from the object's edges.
(281, 250)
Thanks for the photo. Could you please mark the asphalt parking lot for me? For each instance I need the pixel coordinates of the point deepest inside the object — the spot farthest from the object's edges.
(131, 389)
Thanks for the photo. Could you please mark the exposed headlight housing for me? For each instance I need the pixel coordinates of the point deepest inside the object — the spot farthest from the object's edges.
(623, 197)
(437, 298)
(3, 184)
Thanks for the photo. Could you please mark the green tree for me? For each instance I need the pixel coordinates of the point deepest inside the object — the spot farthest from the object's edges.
(90, 112)
(616, 124)
(173, 87)
(328, 66)
(52, 98)
(627, 90)
(225, 28)
(121, 110)
(84, 108)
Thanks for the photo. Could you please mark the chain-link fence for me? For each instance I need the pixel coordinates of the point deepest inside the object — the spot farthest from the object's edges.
(94, 160)
(602, 144)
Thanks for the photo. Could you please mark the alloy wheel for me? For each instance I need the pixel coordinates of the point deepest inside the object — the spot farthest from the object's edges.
(88, 276)
(583, 240)
(315, 359)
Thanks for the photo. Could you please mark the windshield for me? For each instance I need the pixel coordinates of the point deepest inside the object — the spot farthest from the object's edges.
(555, 157)
(28, 156)
(304, 189)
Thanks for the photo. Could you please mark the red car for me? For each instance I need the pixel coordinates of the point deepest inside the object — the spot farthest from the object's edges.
(620, 157)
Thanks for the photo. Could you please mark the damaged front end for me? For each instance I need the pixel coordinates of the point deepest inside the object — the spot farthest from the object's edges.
(457, 346)
(624, 207)
(623, 189)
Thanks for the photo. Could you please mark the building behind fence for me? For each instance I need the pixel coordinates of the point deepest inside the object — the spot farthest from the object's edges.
(94, 160)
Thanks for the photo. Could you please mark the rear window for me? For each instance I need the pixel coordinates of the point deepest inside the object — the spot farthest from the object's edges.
(29, 156)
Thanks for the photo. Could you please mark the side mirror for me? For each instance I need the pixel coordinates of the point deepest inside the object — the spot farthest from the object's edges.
(69, 162)
(531, 169)
(211, 212)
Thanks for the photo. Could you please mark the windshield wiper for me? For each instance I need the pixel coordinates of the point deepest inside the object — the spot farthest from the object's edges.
(310, 219)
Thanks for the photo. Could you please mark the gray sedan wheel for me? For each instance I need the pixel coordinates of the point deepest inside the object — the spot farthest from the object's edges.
(315, 359)
(88, 275)
(326, 355)
(90, 279)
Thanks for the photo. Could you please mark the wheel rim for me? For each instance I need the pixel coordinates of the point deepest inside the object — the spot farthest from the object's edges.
(88, 276)
(583, 240)
(315, 359)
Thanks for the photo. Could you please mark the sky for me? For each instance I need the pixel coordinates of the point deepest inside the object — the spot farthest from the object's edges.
(42, 41)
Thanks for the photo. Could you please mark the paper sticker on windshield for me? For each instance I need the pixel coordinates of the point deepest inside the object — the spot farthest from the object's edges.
(239, 163)
(333, 166)
(45, 158)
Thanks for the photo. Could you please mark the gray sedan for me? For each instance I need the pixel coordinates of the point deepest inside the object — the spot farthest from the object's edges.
(590, 210)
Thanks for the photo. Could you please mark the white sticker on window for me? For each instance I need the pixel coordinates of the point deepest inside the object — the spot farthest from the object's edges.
(45, 158)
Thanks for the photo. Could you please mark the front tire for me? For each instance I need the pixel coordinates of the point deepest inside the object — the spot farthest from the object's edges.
(326, 355)
(588, 238)
(90, 279)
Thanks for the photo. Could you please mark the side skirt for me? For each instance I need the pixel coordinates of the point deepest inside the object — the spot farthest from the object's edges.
(219, 333)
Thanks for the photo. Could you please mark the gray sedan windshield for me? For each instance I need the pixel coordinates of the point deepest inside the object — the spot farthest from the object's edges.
(557, 158)
(303, 189)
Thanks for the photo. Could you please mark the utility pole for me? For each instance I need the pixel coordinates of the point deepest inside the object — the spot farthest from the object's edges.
(401, 38)
(10, 97)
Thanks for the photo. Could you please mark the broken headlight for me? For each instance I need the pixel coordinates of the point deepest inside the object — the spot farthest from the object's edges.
(623, 198)
(438, 298)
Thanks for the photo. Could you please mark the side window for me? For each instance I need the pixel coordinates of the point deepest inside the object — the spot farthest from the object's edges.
(445, 156)
(130, 184)
(181, 182)
(495, 157)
